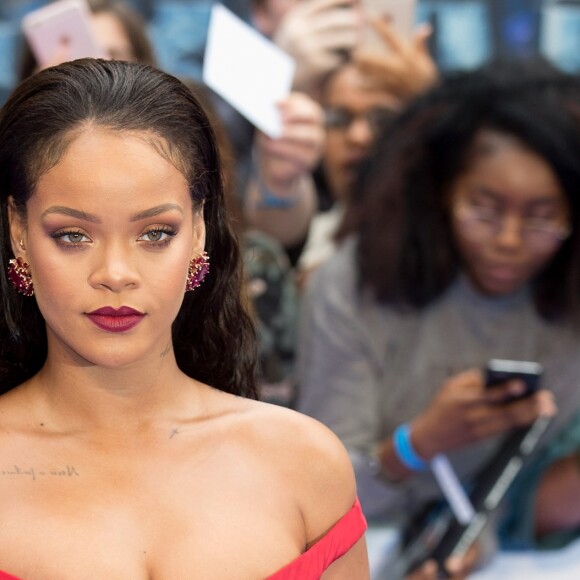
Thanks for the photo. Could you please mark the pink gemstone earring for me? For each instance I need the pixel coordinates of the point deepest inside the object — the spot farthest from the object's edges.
(198, 270)
(19, 276)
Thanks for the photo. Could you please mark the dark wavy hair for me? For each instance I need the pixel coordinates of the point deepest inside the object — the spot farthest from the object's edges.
(213, 336)
(400, 212)
(131, 21)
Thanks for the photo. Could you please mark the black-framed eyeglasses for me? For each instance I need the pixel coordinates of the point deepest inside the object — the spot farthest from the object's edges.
(341, 119)
(485, 223)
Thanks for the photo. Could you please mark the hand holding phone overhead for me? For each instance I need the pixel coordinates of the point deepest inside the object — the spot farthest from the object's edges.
(394, 54)
(400, 14)
(61, 31)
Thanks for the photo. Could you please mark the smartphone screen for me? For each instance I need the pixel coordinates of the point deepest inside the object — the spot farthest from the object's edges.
(498, 371)
(61, 25)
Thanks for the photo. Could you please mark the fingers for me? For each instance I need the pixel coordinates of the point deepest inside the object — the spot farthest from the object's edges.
(339, 30)
(427, 571)
(421, 38)
(464, 411)
(505, 391)
(405, 68)
(288, 160)
(302, 121)
(319, 35)
(317, 7)
(383, 27)
(446, 423)
(466, 386)
(317, 16)
(299, 107)
(490, 420)
(398, 43)
(461, 566)
(385, 66)
(301, 144)
(458, 567)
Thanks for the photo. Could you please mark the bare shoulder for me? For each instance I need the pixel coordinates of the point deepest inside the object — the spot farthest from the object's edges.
(311, 458)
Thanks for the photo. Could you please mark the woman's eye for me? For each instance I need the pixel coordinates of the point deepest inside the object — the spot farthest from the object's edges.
(158, 235)
(543, 216)
(75, 238)
(484, 212)
(71, 238)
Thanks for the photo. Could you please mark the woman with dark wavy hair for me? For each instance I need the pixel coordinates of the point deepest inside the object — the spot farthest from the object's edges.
(462, 245)
(132, 445)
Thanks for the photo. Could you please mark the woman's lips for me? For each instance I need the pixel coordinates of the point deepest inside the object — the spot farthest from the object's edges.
(112, 319)
(503, 272)
(502, 278)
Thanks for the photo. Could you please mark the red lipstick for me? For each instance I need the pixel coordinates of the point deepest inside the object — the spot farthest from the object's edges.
(112, 319)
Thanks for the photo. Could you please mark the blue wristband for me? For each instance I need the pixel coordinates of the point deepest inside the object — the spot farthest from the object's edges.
(271, 201)
(404, 449)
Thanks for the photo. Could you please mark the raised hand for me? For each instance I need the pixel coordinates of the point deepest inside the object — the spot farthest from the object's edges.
(405, 68)
(319, 35)
(282, 161)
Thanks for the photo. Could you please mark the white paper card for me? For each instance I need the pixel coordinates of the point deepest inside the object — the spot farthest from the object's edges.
(247, 70)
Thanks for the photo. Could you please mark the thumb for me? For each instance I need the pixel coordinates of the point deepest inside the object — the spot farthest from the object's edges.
(421, 37)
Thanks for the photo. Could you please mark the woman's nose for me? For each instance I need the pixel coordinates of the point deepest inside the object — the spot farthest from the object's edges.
(509, 234)
(360, 131)
(114, 269)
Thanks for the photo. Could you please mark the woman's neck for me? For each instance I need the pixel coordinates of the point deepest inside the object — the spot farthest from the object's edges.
(77, 396)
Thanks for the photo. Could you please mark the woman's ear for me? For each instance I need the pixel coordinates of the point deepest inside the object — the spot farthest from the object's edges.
(17, 230)
(198, 242)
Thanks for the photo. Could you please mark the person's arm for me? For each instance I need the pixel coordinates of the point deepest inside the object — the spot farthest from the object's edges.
(541, 510)
(558, 496)
(339, 378)
(281, 197)
(463, 411)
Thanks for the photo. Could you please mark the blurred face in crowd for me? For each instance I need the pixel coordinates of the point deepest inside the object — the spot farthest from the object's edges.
(112, 36)
(510, 214)
(355, 110)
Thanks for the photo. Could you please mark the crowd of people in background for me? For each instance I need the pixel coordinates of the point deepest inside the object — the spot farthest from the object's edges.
(406, 228)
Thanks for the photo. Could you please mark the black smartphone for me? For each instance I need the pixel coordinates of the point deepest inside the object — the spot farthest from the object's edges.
(498, 371)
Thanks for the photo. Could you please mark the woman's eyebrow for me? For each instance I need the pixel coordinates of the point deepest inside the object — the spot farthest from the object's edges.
(492, 194)
(71, 212)
(158, 209)
(83, 215)
(487, 192)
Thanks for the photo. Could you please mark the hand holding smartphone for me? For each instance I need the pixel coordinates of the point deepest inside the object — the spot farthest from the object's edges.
(63, 27)
(441, 534)
(401, 15)
(498, 371)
